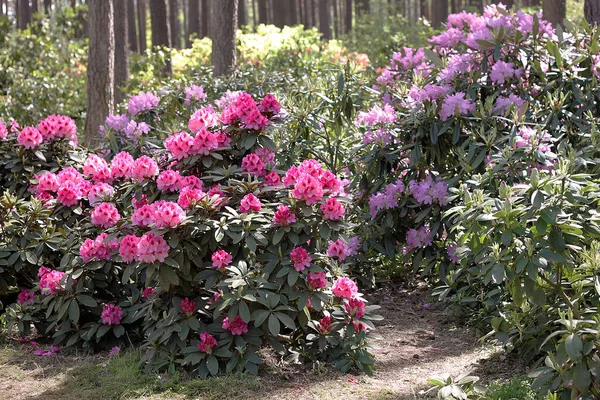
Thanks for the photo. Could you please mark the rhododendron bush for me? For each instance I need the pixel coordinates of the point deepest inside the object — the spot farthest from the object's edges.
(203, 249)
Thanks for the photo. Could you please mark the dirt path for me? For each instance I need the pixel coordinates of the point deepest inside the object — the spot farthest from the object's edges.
(418, 341)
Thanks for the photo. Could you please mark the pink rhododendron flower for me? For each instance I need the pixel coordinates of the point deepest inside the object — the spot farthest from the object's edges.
(325, 325)
(204, 142)
(330, 182)
(332, 209)
(359, 326)
(168, 215)
(128, 248)
(204, 118)
(29, 137)
(149, 291)
(236, 327)
(272, 179)
(387, 199)
(338, 249)
(266, 155)
(316, 280)
(58, 127)
(456, 105)
(53, 350)
(105, 215)
(501, 71)
(142, 102)
(98, 249)
(83, 188)
(192, 182)
(68, 194)
(301, 258)
(355, 307)
(188, 196)
(121, 165)
(49, 280)
(152, 248)
(425, 192)
(116, 122)
(377, 116)
(144, 215)
(188, 307)
(169, 180)
(250, 203)
(269, 105)
(3, 131)
(308, 188)
(26, 297)
(416, 238)
(111, 314)
(97, 168)
(193, 93)
(100, 192)
(283, 216)
(48, 182)
(253, 164)
(144, 168)
(207, 343)
(221, 259)
(114, 351)
(344, 287)
(180, 145)
(69, 174)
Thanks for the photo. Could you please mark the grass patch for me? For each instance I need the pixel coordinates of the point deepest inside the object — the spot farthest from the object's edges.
(517, 388)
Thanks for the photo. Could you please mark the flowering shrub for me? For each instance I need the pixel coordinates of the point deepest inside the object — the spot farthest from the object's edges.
(204, 250)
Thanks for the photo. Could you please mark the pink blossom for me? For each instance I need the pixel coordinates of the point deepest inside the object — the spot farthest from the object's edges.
(345, 287)
(144, 168)
(189, 196)
(48, 182)
(416, 238)
(301, 258)
(149, 291)
(338, 249)
(98, 248)
(105, 215)
(316, 280)
(501, 71)
(30, 137)
(204, 118)
(269, 105)
(25, 297)
(193, 93)
(188, 307)
(68, 194)
(355, 307)
(324, 325)
(114, 351)
(221, 259)
(69, 174)
(53, 350)
(168, 215)
(144, 215)
(456, 105)
(332, 209)
(142, 102)
(237, 327)
(207, 343)
(308, 188)
(100, 192)
(3, 131)
(57, 127)
(117, 123)
(169, 180)
(180, 145)
(97, 168)
(253, 164)
(266, 155)
(49, 280)
(128, 248)
(283, 216)
(377, 116)
(192, 182)
(111, 314)
(204, 142)
(152, 248)
(250, 203)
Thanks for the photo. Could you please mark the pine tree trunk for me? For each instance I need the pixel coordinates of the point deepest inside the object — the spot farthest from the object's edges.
(121, 51)
(161, 31)
(205, 25)
(254, 15)
(131, 31)
(555, 11)
(100, 70)
(348, 16)
(294, 13)
(175, 23)
(439, 13)
(362, 7)
(242, 13)
(324, 19)
(336, 19)
(142, 24)
(591, 10)
(280, 9)
(47, 6)
(224, 23)
(23, 14)
(425, 10)
(263, 17)
(193, 20)
(35, 7)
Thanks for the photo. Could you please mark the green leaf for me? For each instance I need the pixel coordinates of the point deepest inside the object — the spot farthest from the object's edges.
(574, 347)
(86, 300)
(274, 325)
(212, 364)
(244, 311)
(167, 276)
(286, 320)
(498, 273)
(581, 377)
(74, 312)
(556, 240)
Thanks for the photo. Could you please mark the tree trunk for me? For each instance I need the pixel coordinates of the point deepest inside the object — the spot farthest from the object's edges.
(242, 13)
(121, 51)
(159, 21)
(35, 7)
(142, 24)
(348, 16)
(362, 7)
(508, 3)
(131, 31)
(336, 19)
(100, 71)
(205, 25)
(425, 10)
(175, 23)
(456, 5)
(555, 11)
(47, 6)
(439, 13)
(23, 14)
(263, 12)
(293, 17)
(324, 19)
(193, 20)
(591, 10)
(224, 23)
(254, 15)
(280, 9)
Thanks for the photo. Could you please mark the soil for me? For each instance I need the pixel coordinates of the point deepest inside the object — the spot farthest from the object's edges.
(418, 341)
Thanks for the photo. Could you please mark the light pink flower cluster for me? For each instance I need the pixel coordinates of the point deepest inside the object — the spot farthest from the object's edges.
(204, 118)
(316, 280)
(99, 192)
(161, 214)
(105, 215)
(111, 314)
(221, 259)
(169, 181)
(355, 307)
(144, 168)
(149, 291)
(269, 105)
(324, 325)
(26, 297)
(332, 209)
(3, 130)
(236, 327)
(377, 116)
(284, 216)
(49, 280)
(117, 122)
(207, 343)
(456, 105)
(428, 191)
(98, 249)
(121, 165)
(29, 137)
(193, 93)
(338, 249)
(246, 112)
(152, 248)
(311, 182)
(253, 164)
(58, 127)
(501, 71)
(97, 169)
(344, 287)
(301, 258)
(250, 203)
(387, 199)
(180, 145)
(142, 102)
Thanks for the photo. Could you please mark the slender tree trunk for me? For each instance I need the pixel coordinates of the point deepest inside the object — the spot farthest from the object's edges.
(336, 19)
(254, 14)
(591, 10)
(161, 31)
(555, 11)
(242, 13)
(175, 23)
(205, 25)
(324, 19)
(131, 31)
(362, 7)
(280, 9)
(23, 14)
(348, 16)
(439, 13)
(47, 6)
(294, 13)
(314, 14)
(425, 10)
(100, 67)
(121, 51)
(142, 24)
(224, 23)
(35, 7)
(263, 12)
(193, 20)
(456, 6)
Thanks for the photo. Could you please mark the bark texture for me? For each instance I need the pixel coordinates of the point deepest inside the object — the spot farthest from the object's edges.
(131, 31)
(263, 12)
(142, 24)
(591, 10)
(242, 13)
(224, 23)
(100, 71)
(348, 16)
(439, 13)
(193, 21)
(324, 19)
(555, 11)
(121, 51)
(206, 18)
(175, 23)
(161, 31)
